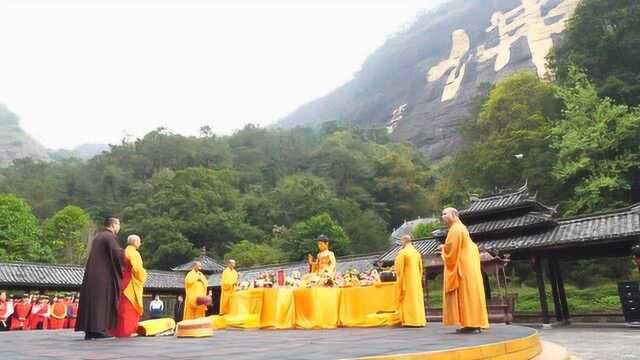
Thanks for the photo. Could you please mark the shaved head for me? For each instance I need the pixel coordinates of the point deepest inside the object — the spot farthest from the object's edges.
(134, 240)
(406, 239)
(197, 265)
(450, 215)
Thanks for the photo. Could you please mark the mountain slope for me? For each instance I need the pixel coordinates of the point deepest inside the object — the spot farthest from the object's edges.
(421, 83)
(14, 142)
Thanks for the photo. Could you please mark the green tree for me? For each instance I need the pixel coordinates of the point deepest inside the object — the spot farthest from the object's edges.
(509, 141)
(400, 181)
(424, 230)
(66, 234)
(247, 253)
(163, 246)
(20, 233)
(299, 197)
(343, 159)
(301, 239)
(368, 233)
(598, 148)
(602, 38)
(203, 205)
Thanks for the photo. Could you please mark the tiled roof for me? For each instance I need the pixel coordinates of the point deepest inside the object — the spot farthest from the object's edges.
(53, 276)
(165, 280)
(620, 224)
(519, 223)
(424, 247)
(208, 265)
(23, 273)
(360, 262)
(498, 203)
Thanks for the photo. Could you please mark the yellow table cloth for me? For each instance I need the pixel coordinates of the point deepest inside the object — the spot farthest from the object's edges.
(278, 309)
(358, 305)
(313, 308)
(245, 309)
(317, 308)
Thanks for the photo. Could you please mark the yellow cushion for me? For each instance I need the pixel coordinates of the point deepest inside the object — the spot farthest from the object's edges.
(245, 321)
(381, 319)
(155, 327)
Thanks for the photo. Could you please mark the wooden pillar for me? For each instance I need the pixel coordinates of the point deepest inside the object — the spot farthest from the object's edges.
(544, 308)
(553, 277)
(562, 294)
(635, 252)
(425, 286)
(487, 286)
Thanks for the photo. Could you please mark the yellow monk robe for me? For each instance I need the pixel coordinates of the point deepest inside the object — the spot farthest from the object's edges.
(195, 285)
(130, 307)
(408, 266)
(133, 291)
(228, 284)
(326, 262)
(463, 290)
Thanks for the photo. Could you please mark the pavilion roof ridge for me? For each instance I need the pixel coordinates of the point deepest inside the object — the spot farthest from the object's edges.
(208, 264)
(634, 208)
(499, 195)
(35, 263)
(501, 202)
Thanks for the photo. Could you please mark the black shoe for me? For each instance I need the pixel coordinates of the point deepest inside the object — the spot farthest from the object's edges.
(468, 330)
(97, 336)
(102, 336)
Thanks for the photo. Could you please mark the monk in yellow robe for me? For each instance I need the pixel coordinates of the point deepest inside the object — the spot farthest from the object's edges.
(131, 307)
(228, 284)
(325, 263)
(195, 285)
(408, 266)
(463, 299)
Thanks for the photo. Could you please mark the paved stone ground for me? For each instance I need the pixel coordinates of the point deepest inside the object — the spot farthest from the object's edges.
(250, 344)
(597, 343)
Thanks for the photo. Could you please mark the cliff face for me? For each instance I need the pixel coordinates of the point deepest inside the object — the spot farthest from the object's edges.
(14, 142)
(421, 83)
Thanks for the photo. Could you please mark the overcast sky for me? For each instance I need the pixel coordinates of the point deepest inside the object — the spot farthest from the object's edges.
(92, 71)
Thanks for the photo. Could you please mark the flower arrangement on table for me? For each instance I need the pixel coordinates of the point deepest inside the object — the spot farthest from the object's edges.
(353, 278)
(265, 280)
(349, 278)
(268, 279)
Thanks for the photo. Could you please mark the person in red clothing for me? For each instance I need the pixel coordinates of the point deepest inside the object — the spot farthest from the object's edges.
(72, 313)
(58, 317)
(35, 307)
(21, 312)
(131, 306)
(6, 309)
(40, 314)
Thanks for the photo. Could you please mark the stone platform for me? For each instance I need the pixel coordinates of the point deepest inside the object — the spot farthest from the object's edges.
(433, 342)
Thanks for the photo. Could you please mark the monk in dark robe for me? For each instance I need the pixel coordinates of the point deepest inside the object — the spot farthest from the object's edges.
(100, 290)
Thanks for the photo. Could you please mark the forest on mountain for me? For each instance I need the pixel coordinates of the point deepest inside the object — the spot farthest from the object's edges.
(262, 195)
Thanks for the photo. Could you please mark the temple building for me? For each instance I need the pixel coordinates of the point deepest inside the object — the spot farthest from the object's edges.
(516, 226)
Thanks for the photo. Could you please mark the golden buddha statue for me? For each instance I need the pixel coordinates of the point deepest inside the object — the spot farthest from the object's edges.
(325, 263)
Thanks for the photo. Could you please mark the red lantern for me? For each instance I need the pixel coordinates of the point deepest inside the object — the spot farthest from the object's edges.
(280, 277)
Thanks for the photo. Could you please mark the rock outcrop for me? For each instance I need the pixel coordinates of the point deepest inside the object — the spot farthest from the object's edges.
(422, 82)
